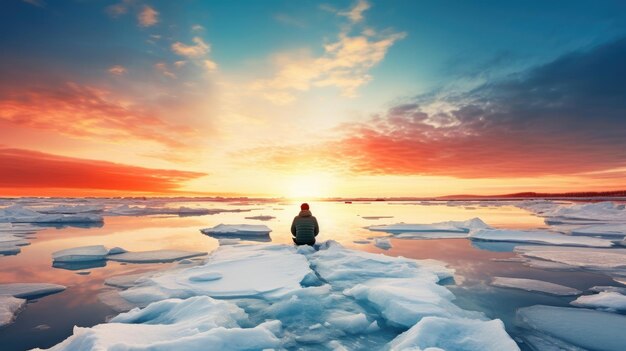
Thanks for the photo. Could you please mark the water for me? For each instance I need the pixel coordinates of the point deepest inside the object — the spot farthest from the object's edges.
(48, 320)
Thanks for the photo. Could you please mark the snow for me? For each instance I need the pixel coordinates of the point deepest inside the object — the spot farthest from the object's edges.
(534, 285)
(238, 229)
(9, 308)
(606, 300)
(192, 324)
(588, 258)
(598, 211)
(435, 333)
(382, 243)
(564, 328)
(81, 254)
(154, 256)
(20, 214)
(29, 290)
(449, 227)
(537, 237)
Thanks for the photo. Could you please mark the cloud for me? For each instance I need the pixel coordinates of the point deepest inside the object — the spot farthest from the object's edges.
(24, 170)
(148, 17)
(84, 111)
(197, 28)
(355, 14)
(161, 67)
(191, 51)
(210, 65)
(562, 118)
(118, 70)
(119, 9)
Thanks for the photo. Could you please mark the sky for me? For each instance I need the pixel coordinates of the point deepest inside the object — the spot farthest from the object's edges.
(365, 98)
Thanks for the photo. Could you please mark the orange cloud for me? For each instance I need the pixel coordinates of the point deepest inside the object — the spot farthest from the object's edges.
(25, 172)
(118, 70)
(87, 112)
(148, 17)
(192, 51)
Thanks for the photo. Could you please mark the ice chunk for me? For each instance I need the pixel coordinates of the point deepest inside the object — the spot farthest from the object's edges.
(534, 285)
(573, 327)
(127, 280)
(117, 250)
(81, 254)
(618, 289)
(606, 300)
(9, 249)
(9, 307)
(353, 323)
(205, 277)
(383, 243)
(362, 241)
(450, 226)
(375, 217)
(154, 256)
(608, 230)
(238, 229)
(598, 211)
(19, 214)
(436, 333)
(588, 258)
(433, 235)
(18, 228)
(29, 290)
(127, 210)
(261, 218)
(537, 237)
(12, 240)
(70, 209)
(192, 324)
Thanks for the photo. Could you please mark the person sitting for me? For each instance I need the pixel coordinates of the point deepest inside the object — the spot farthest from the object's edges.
(304, 227)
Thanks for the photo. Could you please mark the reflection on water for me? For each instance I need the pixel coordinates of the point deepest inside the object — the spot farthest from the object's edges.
(49, 320)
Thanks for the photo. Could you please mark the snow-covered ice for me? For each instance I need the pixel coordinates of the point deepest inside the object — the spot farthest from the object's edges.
(182, 211)
(602, 288)
(382, 243)
(238, 229)
(154, 256)
(606, 300)
(29, 290)
(537, 237)
(534, 285)
(435, 333)
(608, 230)
(606, 260)
(9, 307)
(20, 214)
(444, 227)
(70, 209)
(81, 254)
(568, 328)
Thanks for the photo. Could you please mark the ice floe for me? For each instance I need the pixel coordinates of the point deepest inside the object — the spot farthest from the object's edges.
(128, 210)
(604, 230)
(568, 328)
(605, 300)
(70, 209)
(154, 256)
(20, 214)
(9, 307)
(261, 218)
(29, 290)
(578, 213)
(534, 285)
(537, 237)
(382, 243)
(608, 261)
(435, 333)
(455, 227)
(238, 230)
(81, 254)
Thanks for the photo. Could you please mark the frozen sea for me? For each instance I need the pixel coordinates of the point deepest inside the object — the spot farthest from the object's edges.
(48, 320)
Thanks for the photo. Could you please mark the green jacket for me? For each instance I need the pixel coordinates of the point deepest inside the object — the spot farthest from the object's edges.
(304, 228)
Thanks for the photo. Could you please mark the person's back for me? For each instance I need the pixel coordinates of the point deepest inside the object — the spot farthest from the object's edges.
(304, 227)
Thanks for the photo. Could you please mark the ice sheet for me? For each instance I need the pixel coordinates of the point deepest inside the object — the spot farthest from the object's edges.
(583, 328)
(20, 214)
(609, 230)
(70, 209)
(154, 256)
(29, 290)
(81, 254)
(534, 285)
(608, 260)
(449, 227)
(606, 300)
(537, 237)
(9, 307)
(238, 229)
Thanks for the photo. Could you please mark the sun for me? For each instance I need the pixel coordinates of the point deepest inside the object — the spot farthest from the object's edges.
(309, 186)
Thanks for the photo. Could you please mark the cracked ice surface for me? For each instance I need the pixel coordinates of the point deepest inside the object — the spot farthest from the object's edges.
(282, 297)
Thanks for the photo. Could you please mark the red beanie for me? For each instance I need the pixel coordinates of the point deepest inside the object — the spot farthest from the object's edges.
(304, 206)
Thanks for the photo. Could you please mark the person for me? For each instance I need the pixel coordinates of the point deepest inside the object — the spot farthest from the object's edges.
(304, 227)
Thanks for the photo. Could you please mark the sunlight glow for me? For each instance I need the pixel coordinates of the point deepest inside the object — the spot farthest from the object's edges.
(309, 186)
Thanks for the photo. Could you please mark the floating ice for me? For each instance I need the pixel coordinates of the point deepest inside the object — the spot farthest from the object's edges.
(9, 307)
(69, 209)
(608, 230)
(602, 288)
(565, 328)
(534, 285)
(29, 290)
(238, 229)
(446, 227)
(382, 243)
(261, 218)
(433, 235)
(193, 324)
(588, 258)
(19, 214)
(81, 254)
(435, 333)
(599, 211)
(154, 256)
(7, 249)
(127, 210)
(375, 217)
(606, 300)
(537, 237)
(18, 228)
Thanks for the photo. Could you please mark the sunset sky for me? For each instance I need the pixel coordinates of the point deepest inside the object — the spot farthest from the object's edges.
(311, 98)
